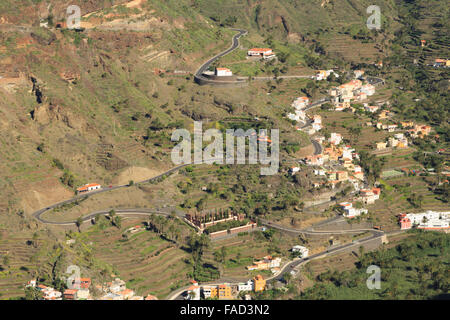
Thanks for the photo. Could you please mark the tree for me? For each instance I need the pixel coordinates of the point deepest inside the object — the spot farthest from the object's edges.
(78, 223)
(33, 294)
(112, 214)
(118, 222)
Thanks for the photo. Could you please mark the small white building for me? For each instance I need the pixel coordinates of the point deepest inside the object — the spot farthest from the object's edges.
(245, 286)
(89, 187)
(261, 52)
(335, 138)
(300, 103)
(194, 291)
(223, 72)
(303, 251)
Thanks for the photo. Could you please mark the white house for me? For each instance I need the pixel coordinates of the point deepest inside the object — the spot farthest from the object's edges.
(303, 250)
(261, 52)
(247, 286)
(297, 116)
(300, 102)
(335, 138)
(89, 187)
(194, 291)
(223, 72)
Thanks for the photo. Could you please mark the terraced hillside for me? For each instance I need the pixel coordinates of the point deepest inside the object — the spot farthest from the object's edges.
(141, 257)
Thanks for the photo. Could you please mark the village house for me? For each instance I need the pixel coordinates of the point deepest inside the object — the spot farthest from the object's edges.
(259, 283)
(224, 292)
(300, 103)
(265, 53)
(420, 131)
(371, 109)
(358, 73)
(319, 172)
(70, 294)
(347, 153)
(89, 187)
(317, 119)
(383, 114)
(360, 96)
(369, 196)
(350, 211)
(194, 291)
(223, 72)
(314, 160)
(405, 223)
(116, 285)
(342, 175)
(297, 116)
(358, 173)
(381, 145)
(441, 63)
(407, 124)
(368, 89)
(335, 138)
(331, 154)
(429, 220)
(324, 74)
(266, 263)
(48, 293)
(304, 252)
(294, 170)
(245, 286)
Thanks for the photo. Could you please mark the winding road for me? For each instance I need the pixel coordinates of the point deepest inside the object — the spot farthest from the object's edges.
(167, 211)
(234, 45)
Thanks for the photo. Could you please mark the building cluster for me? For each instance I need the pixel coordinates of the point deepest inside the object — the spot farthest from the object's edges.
(49, 293)
(441, 63)
(117, 290)
(225, 291)
(266, 263)
(429, 220)
(355, 90)
(299, 106)
(398, 141)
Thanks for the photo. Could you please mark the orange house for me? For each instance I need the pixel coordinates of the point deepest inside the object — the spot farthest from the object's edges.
(259, 283)
(224, 292)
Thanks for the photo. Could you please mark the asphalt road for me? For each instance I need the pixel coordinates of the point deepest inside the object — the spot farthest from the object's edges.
(287, 268)
(37, 215)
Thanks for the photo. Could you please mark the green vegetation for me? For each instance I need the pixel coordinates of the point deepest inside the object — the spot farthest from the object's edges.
(418, 268)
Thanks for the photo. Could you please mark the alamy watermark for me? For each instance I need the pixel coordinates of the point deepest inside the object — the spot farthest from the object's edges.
(374, 280)
(374, 20)
(73, 20)
(258, 147)
(73, 281)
